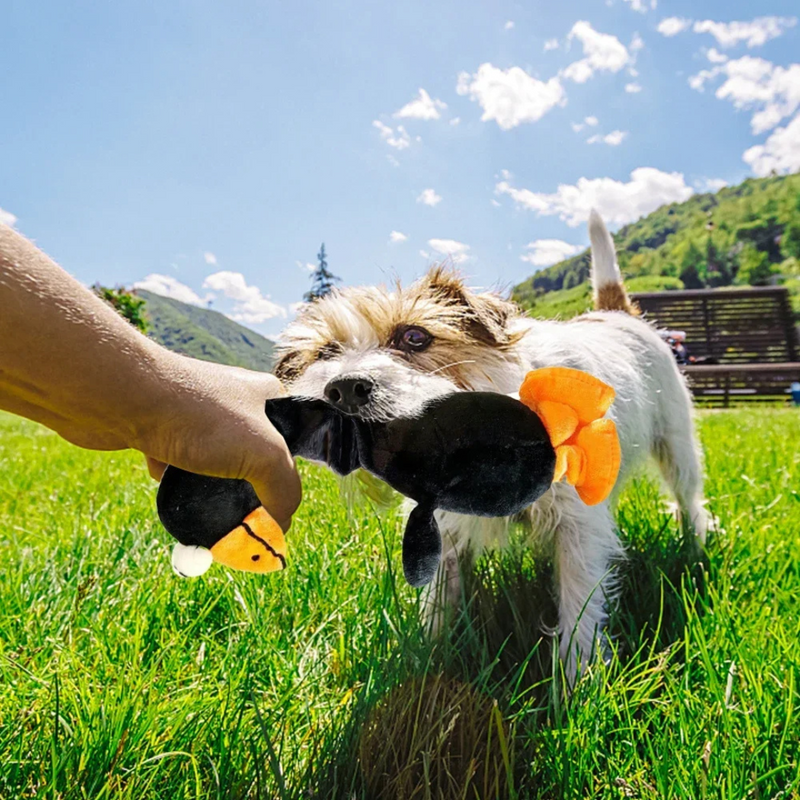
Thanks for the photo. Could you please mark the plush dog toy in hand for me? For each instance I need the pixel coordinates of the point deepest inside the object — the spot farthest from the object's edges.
(474, 453)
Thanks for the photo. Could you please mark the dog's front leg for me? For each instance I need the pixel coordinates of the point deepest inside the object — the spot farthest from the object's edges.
(441, 597)
(463, 538)
(586, 547)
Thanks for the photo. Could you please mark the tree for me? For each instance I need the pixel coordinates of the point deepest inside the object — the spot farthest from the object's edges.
(125, 303)
(755, 268)
(790, 243)
(322, 279)
(690, 267)
(571, 279)
(718, 272)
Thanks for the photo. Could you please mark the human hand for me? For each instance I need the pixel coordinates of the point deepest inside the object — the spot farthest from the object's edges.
(70, 362)
(213, 422)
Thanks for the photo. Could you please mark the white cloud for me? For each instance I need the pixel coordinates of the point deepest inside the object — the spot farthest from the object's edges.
(602, 52)
(167, 286)
(780, 153)
(455, 120)
(638, 5)
(421, 107)
(7, 218)
(617, 202)
(495, 203)
(295, 308)
(510, 96)
(590, 122)
(428, 197)
(710, 184)
(544, 252)
(551, 44)
(614, 139)
(633, 88)
(509, 25)
(753, 33)
(672, 26)
(641, 5)
(637, 43)
(209, 258)
(251, 306)
(698, 81)
(392, 160)
(398, 139)
(305, 266)
(395, 237)
(771, 92)
(425, 254)
(715, 57)
(455, 251)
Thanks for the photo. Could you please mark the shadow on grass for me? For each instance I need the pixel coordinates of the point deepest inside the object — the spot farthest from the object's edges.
(498, 655)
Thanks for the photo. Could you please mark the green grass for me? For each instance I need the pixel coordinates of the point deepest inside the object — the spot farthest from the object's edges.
(119, 680)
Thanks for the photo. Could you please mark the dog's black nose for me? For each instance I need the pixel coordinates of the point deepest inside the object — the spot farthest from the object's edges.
(349, 394)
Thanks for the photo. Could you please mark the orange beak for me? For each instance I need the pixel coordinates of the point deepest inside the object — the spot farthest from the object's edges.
(257, 545)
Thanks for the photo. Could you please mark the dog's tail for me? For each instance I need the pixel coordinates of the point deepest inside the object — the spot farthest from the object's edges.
(609, 291)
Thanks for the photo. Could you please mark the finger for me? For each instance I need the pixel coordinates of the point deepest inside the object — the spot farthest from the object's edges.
(278, 487)
(155, 468)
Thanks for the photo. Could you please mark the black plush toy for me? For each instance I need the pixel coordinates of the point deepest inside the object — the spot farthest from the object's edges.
(475, 453)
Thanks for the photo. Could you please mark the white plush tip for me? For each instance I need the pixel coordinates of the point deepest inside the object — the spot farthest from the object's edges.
(190, 561)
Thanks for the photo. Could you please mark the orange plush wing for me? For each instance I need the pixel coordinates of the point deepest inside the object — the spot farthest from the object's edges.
(571, 405)
(586, 395)
(600, 444)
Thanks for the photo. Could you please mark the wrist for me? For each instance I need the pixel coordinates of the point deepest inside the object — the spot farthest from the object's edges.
(157, 398)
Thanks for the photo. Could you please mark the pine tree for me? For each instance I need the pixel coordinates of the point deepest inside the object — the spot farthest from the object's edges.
(322, 279)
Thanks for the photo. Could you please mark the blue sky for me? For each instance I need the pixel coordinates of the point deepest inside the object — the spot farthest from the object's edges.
(207, 148)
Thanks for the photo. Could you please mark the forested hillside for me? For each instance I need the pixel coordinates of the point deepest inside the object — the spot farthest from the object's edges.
(742, 235)
(204, 334)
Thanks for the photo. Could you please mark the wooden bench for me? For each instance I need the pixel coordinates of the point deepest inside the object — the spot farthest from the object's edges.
(745, 339)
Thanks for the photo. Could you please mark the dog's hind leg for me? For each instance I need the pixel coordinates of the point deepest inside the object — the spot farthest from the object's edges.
(678, 456)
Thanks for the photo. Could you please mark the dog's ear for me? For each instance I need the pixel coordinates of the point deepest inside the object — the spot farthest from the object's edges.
(290, 366)
(485, 315)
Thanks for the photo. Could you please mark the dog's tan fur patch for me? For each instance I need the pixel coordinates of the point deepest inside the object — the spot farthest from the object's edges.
(613, 297)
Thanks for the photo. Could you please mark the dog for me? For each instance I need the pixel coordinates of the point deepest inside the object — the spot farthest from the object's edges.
(379, 354)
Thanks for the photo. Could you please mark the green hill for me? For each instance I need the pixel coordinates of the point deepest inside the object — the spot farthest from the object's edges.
(742, 235)
(205, 334)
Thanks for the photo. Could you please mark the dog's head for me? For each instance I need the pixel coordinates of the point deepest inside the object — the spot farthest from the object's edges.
(380, 354)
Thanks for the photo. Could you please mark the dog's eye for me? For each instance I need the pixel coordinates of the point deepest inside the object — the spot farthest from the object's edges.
(412, 339)
(329, 351)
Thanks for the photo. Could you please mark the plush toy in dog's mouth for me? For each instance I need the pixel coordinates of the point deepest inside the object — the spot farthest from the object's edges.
(475, 453)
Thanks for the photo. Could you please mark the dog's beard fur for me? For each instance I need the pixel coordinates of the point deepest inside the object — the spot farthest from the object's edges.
(353, 334)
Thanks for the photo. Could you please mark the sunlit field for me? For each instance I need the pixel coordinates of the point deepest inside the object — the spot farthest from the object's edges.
(120, 680)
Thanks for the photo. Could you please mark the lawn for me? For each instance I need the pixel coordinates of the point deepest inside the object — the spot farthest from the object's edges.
(120, 680)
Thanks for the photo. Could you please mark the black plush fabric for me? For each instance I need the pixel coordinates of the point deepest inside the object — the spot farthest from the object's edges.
(198, 510)
(470, 452)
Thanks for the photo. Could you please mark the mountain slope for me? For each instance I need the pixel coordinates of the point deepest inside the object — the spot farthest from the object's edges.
(747, 235)
(205, 334)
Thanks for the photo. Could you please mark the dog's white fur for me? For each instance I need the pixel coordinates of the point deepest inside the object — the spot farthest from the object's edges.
(652, 410)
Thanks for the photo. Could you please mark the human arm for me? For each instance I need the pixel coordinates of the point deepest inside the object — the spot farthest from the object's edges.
(70, 362)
